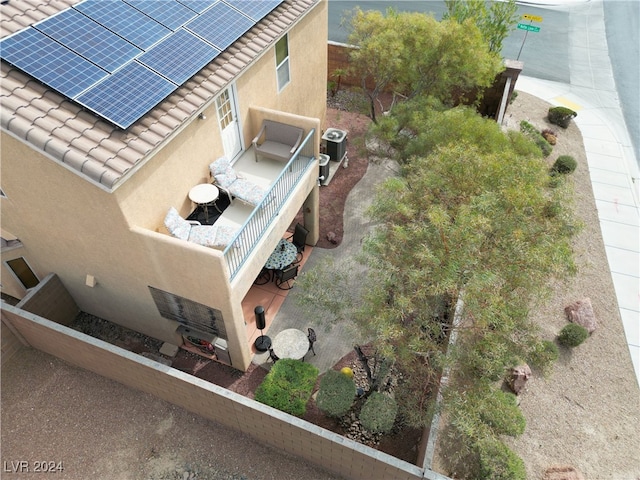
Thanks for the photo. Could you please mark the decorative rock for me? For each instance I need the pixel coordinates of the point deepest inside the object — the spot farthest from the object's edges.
(581, 312)
(518, 378)
(562, 472)
(331, 236)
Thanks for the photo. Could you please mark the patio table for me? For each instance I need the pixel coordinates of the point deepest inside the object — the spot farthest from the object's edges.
(283, 255)
(291, 343)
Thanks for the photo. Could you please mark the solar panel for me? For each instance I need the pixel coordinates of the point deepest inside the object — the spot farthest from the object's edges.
(255, 9)
(50, 62)
(85, 37)
(198, 6)
(194, 55)
(221, 25)
(128, 94)
(125, 20)
(120, 58)
(169, 13)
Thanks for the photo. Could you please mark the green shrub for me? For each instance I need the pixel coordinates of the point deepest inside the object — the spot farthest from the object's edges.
(288, 386)
(533, 133)
(336, 393)
(501, 412)
(498, 462)
(544, 355)
(378, 413)
(561, 116)
(572, 335)
(564, 164)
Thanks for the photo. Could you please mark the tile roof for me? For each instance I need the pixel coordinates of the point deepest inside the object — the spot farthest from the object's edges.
(102, 153)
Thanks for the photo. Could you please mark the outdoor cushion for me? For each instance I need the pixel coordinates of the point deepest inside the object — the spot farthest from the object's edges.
(177, 226)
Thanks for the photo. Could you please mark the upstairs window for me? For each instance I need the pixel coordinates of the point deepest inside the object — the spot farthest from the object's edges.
(282, 62)
(22, 271)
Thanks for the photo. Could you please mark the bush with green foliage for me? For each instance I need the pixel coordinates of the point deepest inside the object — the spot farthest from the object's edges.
(336, 393)
(379, 413)
(533, 133)
(544, 355)
(561, 116)
(572, 335)
(288, 386)
(498, 462)
(564, 164)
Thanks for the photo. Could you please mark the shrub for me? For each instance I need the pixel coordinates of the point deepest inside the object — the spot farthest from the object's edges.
(336, 393)
(288, 386)
(533, 133)
(378, 413)
(564, 164)
(550, 136)
(561, 116)
(572, 335)
(544, 355)
(501, 412)
(498, 462)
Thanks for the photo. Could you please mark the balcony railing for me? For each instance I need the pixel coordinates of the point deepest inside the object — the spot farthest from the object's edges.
(256, 225)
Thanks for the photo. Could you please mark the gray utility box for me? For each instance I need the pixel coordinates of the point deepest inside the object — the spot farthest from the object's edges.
(335, 142)
(324, 167)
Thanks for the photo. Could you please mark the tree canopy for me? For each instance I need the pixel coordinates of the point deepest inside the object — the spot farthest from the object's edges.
(414, 54)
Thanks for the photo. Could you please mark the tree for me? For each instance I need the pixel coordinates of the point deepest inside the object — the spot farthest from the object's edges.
(495, 23)
(414, 54)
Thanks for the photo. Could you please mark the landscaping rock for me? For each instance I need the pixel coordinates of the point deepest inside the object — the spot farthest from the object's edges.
(518, 378)
(562, 472)
(581, 312)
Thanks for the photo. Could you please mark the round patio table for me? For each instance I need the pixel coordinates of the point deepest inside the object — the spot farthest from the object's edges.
(283, 255)
(291, 343)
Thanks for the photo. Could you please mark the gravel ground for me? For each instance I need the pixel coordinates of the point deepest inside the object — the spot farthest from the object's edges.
(98, 429)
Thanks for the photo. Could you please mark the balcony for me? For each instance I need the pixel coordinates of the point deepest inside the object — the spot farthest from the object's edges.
(253, 222)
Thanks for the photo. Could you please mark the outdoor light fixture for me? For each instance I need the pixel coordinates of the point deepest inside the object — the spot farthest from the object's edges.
(202, 116)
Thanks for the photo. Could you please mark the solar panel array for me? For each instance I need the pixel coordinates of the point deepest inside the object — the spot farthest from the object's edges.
(121, 58)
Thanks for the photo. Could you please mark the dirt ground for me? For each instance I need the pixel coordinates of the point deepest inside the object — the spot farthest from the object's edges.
(585, 413)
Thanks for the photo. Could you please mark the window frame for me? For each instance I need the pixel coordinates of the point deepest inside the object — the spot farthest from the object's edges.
(285, 64)
(15, 274)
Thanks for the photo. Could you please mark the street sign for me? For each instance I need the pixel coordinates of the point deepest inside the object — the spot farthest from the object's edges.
(528, 28)
(533, 18)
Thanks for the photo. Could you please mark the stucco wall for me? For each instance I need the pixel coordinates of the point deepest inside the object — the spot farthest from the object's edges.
(267, 425)
(74, 228)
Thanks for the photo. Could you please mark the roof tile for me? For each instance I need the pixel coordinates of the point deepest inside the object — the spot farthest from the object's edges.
(67, 132)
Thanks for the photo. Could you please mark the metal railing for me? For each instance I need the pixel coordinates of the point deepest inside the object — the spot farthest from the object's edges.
(237, 252)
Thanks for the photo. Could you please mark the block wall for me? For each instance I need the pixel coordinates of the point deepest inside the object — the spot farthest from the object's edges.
(329, 451)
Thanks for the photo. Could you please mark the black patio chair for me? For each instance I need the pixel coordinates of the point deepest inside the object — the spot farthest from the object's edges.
(272, 355)
(299, 239)
(263, 277)
(312, 339)
(284, 277)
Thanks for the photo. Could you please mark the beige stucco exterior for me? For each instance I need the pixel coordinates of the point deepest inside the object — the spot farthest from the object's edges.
(72, 227)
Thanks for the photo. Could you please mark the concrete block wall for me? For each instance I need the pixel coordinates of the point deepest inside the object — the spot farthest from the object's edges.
(50, 299)
(267, 425)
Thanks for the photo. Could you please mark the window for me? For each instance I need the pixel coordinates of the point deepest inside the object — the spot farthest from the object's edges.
(21, 269)
(189, 313)
(282, 62)
(225, 112)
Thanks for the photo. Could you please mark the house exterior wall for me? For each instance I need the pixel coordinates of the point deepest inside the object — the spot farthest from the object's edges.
(74, 228)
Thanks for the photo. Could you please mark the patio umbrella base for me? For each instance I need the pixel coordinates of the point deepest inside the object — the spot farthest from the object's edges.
(262, 343)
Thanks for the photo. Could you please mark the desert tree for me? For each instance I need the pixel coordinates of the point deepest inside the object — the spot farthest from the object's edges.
(414, 54)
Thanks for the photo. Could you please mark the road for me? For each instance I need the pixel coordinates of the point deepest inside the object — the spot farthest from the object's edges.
(548, 54)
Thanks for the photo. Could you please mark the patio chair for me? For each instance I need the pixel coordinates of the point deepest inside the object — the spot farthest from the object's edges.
(312, 339)
(299, 239)
(284, 277)
(263, 277)
(272, 355)
(214, 236)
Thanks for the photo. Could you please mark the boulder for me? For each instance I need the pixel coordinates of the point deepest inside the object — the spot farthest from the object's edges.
(562, 472)
(581, 312)
(518, 378)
